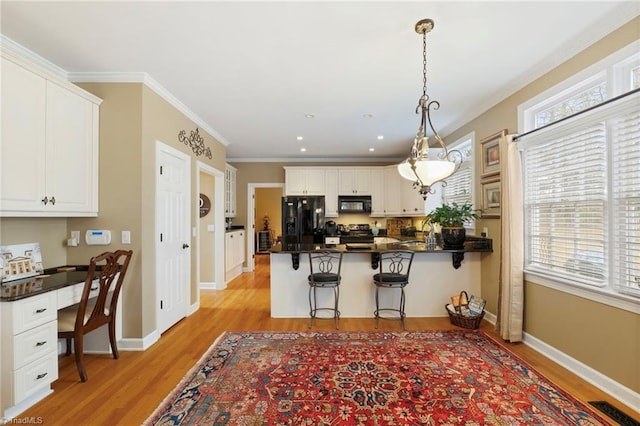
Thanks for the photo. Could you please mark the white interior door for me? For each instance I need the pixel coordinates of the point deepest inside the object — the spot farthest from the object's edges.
(173, 212)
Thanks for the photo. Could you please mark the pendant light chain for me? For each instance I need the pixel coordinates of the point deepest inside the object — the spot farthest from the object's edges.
(424, 65)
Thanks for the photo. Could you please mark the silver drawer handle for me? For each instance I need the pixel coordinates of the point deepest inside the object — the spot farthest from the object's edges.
(41, 376)
(41, 310)
(44, 342)
(94, 288)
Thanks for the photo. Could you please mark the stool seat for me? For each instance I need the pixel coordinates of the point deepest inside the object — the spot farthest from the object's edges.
(390, 278)
(324, 268)
(394, 267)
(320, 278)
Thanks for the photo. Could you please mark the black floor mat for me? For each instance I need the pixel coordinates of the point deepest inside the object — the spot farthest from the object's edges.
(617, 415)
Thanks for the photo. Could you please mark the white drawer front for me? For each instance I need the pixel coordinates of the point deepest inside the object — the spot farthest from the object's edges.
(35, 376)
(35, 343)
(33, 311)
(71, 295)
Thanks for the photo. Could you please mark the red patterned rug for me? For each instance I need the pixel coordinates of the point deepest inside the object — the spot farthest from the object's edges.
(366, 378)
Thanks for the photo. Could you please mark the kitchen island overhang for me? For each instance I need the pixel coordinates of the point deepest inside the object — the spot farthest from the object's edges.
(432, 281)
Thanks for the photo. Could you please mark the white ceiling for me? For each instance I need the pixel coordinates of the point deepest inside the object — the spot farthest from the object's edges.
(250, 71)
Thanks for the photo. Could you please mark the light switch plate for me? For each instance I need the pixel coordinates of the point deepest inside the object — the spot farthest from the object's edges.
(126, 237)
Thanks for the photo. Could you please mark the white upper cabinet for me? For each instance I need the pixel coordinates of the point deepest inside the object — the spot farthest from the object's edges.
(392, 191)
(377, 192)
(49, 146)
(354, 181)
(229, 191)
(401, 198)
(304, 181)
(331, 192)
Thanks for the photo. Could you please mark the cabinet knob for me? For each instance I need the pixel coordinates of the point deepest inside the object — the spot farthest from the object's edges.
(185, 246)
(45, 200)
(53, 201)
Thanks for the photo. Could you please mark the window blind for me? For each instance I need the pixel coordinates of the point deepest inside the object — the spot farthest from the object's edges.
(626, 201)
(458, 188)
(582, 197)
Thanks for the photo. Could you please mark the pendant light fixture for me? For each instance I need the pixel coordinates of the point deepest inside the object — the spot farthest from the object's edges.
(418, 167)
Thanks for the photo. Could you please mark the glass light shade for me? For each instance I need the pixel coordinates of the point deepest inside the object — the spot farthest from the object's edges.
(429, 171)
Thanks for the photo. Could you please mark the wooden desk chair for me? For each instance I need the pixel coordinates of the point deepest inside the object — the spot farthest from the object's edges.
(77, 320)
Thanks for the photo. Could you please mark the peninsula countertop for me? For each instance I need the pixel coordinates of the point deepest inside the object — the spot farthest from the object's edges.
(473, 244)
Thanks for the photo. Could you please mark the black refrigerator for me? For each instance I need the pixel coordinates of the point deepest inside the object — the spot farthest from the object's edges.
(302, 220)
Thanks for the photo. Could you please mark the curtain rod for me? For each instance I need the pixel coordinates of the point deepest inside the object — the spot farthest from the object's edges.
(608, 101)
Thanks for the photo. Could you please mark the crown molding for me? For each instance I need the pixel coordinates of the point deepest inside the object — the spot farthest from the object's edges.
(17, 51)
(150, 82)
(385, 160)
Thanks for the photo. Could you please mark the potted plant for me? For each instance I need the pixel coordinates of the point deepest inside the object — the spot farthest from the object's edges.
(451, 218)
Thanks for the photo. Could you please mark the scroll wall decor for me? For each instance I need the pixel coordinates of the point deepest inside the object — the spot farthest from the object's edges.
(196, 142)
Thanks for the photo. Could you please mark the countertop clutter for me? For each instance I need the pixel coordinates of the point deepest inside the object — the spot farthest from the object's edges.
(52, 279)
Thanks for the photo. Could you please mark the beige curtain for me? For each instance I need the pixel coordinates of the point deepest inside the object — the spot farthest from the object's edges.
(511, 297)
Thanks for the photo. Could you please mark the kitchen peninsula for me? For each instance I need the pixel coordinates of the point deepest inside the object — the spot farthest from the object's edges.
(436, 274)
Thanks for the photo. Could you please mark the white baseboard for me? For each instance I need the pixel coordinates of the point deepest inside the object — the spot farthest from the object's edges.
(212, 286)
(193, 308)
(139, 344)
(616, 390)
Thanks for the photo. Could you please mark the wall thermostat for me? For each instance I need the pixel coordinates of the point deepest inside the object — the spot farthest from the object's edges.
(97, 237)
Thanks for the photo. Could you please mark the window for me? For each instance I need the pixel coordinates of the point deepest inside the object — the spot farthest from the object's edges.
(582, 186)
(459, 187)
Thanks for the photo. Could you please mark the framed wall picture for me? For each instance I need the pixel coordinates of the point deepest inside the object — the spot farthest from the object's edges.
(491, 198)
(491, 154)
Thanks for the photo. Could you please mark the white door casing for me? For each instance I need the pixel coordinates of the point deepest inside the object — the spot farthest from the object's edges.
(173, 255)
(251, 225)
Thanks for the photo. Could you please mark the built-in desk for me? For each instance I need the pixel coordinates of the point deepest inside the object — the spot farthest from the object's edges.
(29, 333)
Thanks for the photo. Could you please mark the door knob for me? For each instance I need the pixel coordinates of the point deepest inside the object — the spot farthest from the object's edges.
(185, 246)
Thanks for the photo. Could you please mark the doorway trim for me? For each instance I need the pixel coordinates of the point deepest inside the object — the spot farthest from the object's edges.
(251, 225)
(218, 236)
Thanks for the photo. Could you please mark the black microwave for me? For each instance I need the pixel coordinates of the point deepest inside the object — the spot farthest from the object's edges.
(354, 204)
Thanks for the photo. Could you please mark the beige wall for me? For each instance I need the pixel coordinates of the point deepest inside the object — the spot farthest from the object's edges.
(604, 338)
(50, 233)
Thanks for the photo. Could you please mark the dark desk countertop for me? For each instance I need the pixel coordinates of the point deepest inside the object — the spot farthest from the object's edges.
(52, 279)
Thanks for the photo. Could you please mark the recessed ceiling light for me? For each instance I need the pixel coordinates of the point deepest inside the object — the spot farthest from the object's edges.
(299, 138)
(309, 116)
(303, 149)
(371, 149)
(380, 137)
(367, 115)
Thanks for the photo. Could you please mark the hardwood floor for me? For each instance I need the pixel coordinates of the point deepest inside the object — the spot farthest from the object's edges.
(126, 391)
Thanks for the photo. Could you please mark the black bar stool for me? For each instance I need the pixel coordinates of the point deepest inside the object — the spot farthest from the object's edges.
(325, 273)
(394, 267)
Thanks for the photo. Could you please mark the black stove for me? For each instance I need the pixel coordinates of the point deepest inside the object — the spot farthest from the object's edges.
(355, 233)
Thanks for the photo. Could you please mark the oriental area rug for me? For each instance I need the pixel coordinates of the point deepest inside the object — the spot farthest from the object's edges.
(366, 378)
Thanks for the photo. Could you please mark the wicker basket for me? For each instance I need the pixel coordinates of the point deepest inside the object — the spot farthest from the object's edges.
(456, 318)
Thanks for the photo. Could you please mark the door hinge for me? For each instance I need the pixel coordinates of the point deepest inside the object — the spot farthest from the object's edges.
(161, 304)
(161, 237)
(160, 169)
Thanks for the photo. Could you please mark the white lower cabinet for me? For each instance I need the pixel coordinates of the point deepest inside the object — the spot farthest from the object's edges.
(234, 253)
(29, 334)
